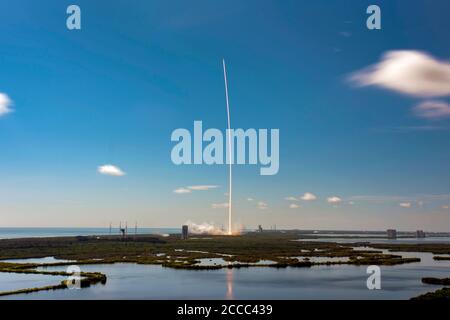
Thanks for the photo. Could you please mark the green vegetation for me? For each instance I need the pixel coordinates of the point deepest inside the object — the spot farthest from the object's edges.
(441, 258)
(435, 248)
(438, 295)
(444, 281)
(280, 249)
(87, 278)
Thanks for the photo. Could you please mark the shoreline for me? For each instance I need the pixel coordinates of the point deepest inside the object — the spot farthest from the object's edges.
(283, 250)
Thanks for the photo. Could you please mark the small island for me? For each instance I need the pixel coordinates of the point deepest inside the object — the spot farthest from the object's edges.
(249, 250)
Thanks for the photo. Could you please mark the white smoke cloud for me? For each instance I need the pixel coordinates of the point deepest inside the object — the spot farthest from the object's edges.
(204, 228)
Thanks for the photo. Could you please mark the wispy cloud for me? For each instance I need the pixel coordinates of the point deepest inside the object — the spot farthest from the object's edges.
(405, 204)
(182, 191)
(308, 196)
(334, 200)
(219, 205)
(262, 205)
(202, 187)
(432, 110)
(291, 199)
(250, 199)
(409, 72)
(294, 206)
(189, 189)
(110, 170)
(5, 104)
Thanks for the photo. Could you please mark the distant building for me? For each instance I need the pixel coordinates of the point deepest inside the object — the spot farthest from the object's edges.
(391, 234)
(420, 234)
(184, 232)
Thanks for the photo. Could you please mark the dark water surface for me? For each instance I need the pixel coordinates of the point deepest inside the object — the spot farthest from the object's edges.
(133, 281)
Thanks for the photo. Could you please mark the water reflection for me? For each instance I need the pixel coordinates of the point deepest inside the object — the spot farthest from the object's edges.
(229, 276)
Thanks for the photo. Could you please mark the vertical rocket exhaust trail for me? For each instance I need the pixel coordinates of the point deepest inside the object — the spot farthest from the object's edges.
(229, 148)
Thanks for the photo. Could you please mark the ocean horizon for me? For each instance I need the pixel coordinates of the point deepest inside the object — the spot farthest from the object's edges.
(43, 232)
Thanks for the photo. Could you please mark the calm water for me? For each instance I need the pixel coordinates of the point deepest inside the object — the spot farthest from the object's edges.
(10, 233)
(132, 281)
(15, 281)
(381, 240)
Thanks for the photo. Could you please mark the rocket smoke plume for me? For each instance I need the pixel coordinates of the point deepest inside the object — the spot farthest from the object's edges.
(230, 231)
(204, 228)
(207, 228)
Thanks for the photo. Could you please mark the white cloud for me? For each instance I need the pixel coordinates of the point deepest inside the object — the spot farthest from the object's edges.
(294, 206)
(308, 196)
(409, 72)
(182, 191)
(202, 187)
(334, 199)
(249, 199)
(432, 110)
(5, 104)
(262, 205)
(351, 203)
(405, 204)
(110, 170)
(219, 205)
(445, 207)
(291, 199)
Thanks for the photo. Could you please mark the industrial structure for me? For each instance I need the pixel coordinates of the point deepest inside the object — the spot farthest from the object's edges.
(391, 234)
(184, 232)
(420, 234)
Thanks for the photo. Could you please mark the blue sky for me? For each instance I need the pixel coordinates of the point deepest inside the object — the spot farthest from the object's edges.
(112, 93)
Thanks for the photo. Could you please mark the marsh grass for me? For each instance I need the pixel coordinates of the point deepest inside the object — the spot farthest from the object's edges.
(243, 251)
